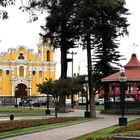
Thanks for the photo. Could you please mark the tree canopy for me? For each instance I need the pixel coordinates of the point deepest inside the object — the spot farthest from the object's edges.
(110, 23)
(96, 24)
(60, 87)
(4, 3)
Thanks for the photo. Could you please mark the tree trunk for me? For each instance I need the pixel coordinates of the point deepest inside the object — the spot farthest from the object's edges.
(63, 75)
(90, 79)
(63, 55)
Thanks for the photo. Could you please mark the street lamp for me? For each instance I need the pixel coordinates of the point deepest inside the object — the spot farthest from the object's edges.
(72, 102)
(122, 79)
(87, 112)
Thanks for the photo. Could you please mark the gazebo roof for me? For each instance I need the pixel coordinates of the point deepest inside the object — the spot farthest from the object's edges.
(132, 71)
(133, 61)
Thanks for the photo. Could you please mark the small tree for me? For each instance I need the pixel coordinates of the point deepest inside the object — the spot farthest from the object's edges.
(61, 87)
(49, 88)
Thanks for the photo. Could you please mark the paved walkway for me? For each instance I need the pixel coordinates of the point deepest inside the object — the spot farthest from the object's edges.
(67, 132)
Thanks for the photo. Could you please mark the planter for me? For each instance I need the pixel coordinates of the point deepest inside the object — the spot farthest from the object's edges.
(48, 111)
(16, 106)
(122, 121)
(87, 114)
(11, 117)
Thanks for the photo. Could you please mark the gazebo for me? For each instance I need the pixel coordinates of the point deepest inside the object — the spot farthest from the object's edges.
(111, 87)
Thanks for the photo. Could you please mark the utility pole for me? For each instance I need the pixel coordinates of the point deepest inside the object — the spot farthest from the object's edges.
(72, 103)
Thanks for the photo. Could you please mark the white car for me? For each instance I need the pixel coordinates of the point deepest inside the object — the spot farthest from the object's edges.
(129, 99)
(68, 101)
(82, 100)
(111, 99)
(101, 101)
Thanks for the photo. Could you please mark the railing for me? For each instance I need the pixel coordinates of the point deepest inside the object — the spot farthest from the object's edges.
(11, 101)
(129, 106)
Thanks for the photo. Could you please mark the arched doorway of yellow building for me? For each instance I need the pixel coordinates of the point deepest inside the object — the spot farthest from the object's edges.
(21, 91)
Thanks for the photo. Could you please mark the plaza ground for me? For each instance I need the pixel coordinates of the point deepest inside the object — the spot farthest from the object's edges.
(71, 131)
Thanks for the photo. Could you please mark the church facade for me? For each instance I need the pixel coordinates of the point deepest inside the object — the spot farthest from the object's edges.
(21, 69)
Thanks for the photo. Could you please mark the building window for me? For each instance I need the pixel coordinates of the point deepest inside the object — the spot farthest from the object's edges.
(48, 55)
(0, 73)
(21, 71)
(33, 72)
(21, 57)
(40, 74)
(7, 72)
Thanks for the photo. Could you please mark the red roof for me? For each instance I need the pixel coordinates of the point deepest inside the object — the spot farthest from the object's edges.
(133, 61)
(132, 71)
(131, 75)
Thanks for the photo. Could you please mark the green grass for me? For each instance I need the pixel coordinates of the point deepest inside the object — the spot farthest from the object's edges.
(43, 127)
(107, 132)
(100, 133)
(83, 107)
(99, 107)
(20, 111)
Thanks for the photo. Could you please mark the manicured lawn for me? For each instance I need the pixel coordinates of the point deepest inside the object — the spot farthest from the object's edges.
(99, 107)
(20, 111)
(108, 132)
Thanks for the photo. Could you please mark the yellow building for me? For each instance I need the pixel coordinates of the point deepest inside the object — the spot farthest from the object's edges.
(21, 69)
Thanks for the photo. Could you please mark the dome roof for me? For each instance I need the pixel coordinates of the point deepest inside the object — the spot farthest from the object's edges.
(133, 62)
(132, 71)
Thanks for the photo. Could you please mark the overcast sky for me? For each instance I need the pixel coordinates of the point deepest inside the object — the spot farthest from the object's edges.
(16, 31)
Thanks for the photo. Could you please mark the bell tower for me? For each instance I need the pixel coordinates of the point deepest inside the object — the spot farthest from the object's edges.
(46, 50)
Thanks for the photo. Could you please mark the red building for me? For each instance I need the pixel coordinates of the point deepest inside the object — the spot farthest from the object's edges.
(111, 83)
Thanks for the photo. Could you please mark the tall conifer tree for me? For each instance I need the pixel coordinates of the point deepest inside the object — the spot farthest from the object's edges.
(101, 22)
(96, 22)
(110, 23)
(60, 28)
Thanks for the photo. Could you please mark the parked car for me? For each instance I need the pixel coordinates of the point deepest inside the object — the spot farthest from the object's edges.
(111, 99)
(129, 99)
(117, 99)
(97, 101)
(101, 101)
(36, 102)
(68, 101)
(82, 100)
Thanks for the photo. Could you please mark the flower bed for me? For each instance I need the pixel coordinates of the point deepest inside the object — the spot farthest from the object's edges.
(131, 127)
(17, 124)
